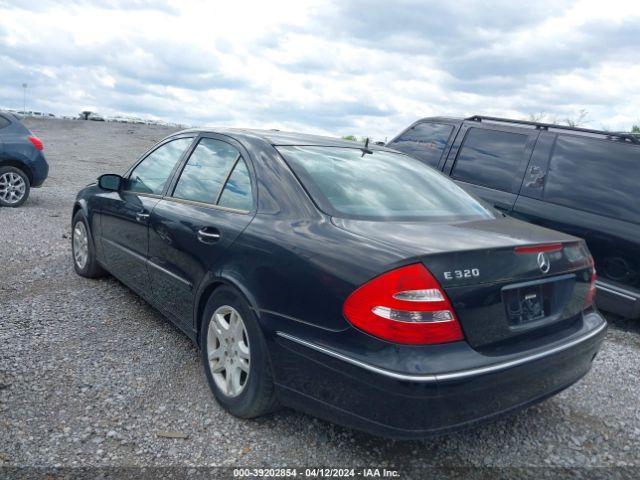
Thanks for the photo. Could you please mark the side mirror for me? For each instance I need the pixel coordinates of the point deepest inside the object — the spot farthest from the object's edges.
(110, 181)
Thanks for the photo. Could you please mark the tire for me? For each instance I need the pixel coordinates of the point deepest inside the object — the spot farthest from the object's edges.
(13, 182)
(89, 267)
(256, 395)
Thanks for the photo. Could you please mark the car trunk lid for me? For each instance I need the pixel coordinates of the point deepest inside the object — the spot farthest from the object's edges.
(504, 278)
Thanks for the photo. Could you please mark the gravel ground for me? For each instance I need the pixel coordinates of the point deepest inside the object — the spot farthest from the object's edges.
(89, 373)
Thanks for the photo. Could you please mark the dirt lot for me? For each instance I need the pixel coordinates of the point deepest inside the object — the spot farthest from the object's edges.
(89, 373)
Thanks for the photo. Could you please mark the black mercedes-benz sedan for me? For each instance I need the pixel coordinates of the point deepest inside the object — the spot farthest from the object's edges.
(322, 275)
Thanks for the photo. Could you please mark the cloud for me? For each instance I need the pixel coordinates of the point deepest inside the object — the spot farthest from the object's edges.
(44, 5)
(348, 67)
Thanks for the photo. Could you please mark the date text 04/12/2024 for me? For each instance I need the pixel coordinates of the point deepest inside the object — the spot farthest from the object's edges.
(317, 472)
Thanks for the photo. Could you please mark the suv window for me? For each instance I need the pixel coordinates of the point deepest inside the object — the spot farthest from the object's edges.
(490, 158)
(4, 122)
(382, 185)
(206, 171)
(599, 176)
(425, 141)
(237, 190)
(151, 175)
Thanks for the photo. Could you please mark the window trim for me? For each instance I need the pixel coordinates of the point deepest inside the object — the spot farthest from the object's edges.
(144, 156)
(206, 205)
(242, 154)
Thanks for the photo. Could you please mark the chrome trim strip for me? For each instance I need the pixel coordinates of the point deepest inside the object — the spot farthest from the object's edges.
(621, 292)
(205, 205)
(353, 361)
(148, 262)
(142, 194)
(294, 319)
(449, 375)
(170, 273)
(126, 250)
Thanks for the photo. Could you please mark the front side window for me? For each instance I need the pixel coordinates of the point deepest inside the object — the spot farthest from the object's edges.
(151, 175)
(380, 186)
(205, 173)
(490, 158)
(425, 141)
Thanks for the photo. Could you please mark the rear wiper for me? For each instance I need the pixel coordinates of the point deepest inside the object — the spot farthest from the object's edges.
(366, 149)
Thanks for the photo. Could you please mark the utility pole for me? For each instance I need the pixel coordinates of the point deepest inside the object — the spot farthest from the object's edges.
(24, 99)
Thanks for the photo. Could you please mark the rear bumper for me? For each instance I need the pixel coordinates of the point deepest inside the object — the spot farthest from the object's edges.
(39, 169)
(347, 390)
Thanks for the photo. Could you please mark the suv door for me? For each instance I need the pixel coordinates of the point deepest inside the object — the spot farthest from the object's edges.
(588, 187)
(124, 215)
(3, 124)
(490, 161)
(209, 204)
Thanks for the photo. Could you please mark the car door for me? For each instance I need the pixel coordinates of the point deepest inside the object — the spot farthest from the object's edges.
(124, 215)
(490, 162)
(211, 201)
(588, 187)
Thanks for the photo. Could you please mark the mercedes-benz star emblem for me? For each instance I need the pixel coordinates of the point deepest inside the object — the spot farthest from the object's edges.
(543, 262)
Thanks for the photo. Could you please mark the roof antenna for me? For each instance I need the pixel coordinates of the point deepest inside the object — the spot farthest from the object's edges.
(366, 149)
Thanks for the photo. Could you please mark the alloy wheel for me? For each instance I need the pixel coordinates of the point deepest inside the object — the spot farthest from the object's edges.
(12, 187)
(80, 245)
(229, 355)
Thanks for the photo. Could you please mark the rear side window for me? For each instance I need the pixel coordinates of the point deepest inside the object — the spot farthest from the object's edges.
(425, 141)
(3, 122)
(237, 191)
(379, 186)
(151, 175)
(599, 176)
(490, 158)
(206, 171)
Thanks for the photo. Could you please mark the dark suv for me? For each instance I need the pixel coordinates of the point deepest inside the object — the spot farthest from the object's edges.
(583, 182)
(22, 163)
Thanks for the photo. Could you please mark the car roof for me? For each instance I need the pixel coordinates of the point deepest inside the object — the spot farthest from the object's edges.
(277, 137)
(440, 119)
(9, 116)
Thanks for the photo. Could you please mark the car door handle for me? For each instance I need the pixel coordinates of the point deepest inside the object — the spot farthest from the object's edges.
(208, 235)
(142, 216)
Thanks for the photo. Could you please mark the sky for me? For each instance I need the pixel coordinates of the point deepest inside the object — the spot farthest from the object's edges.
(338, 68)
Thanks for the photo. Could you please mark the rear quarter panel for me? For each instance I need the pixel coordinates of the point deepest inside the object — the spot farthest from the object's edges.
(15, 147)
(303, 271)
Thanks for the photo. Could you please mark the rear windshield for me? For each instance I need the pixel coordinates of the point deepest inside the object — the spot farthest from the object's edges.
(383, 185)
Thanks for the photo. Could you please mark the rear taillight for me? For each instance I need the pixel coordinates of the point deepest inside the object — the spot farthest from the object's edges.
(36, 143)
(406, 305)
(591, 293)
